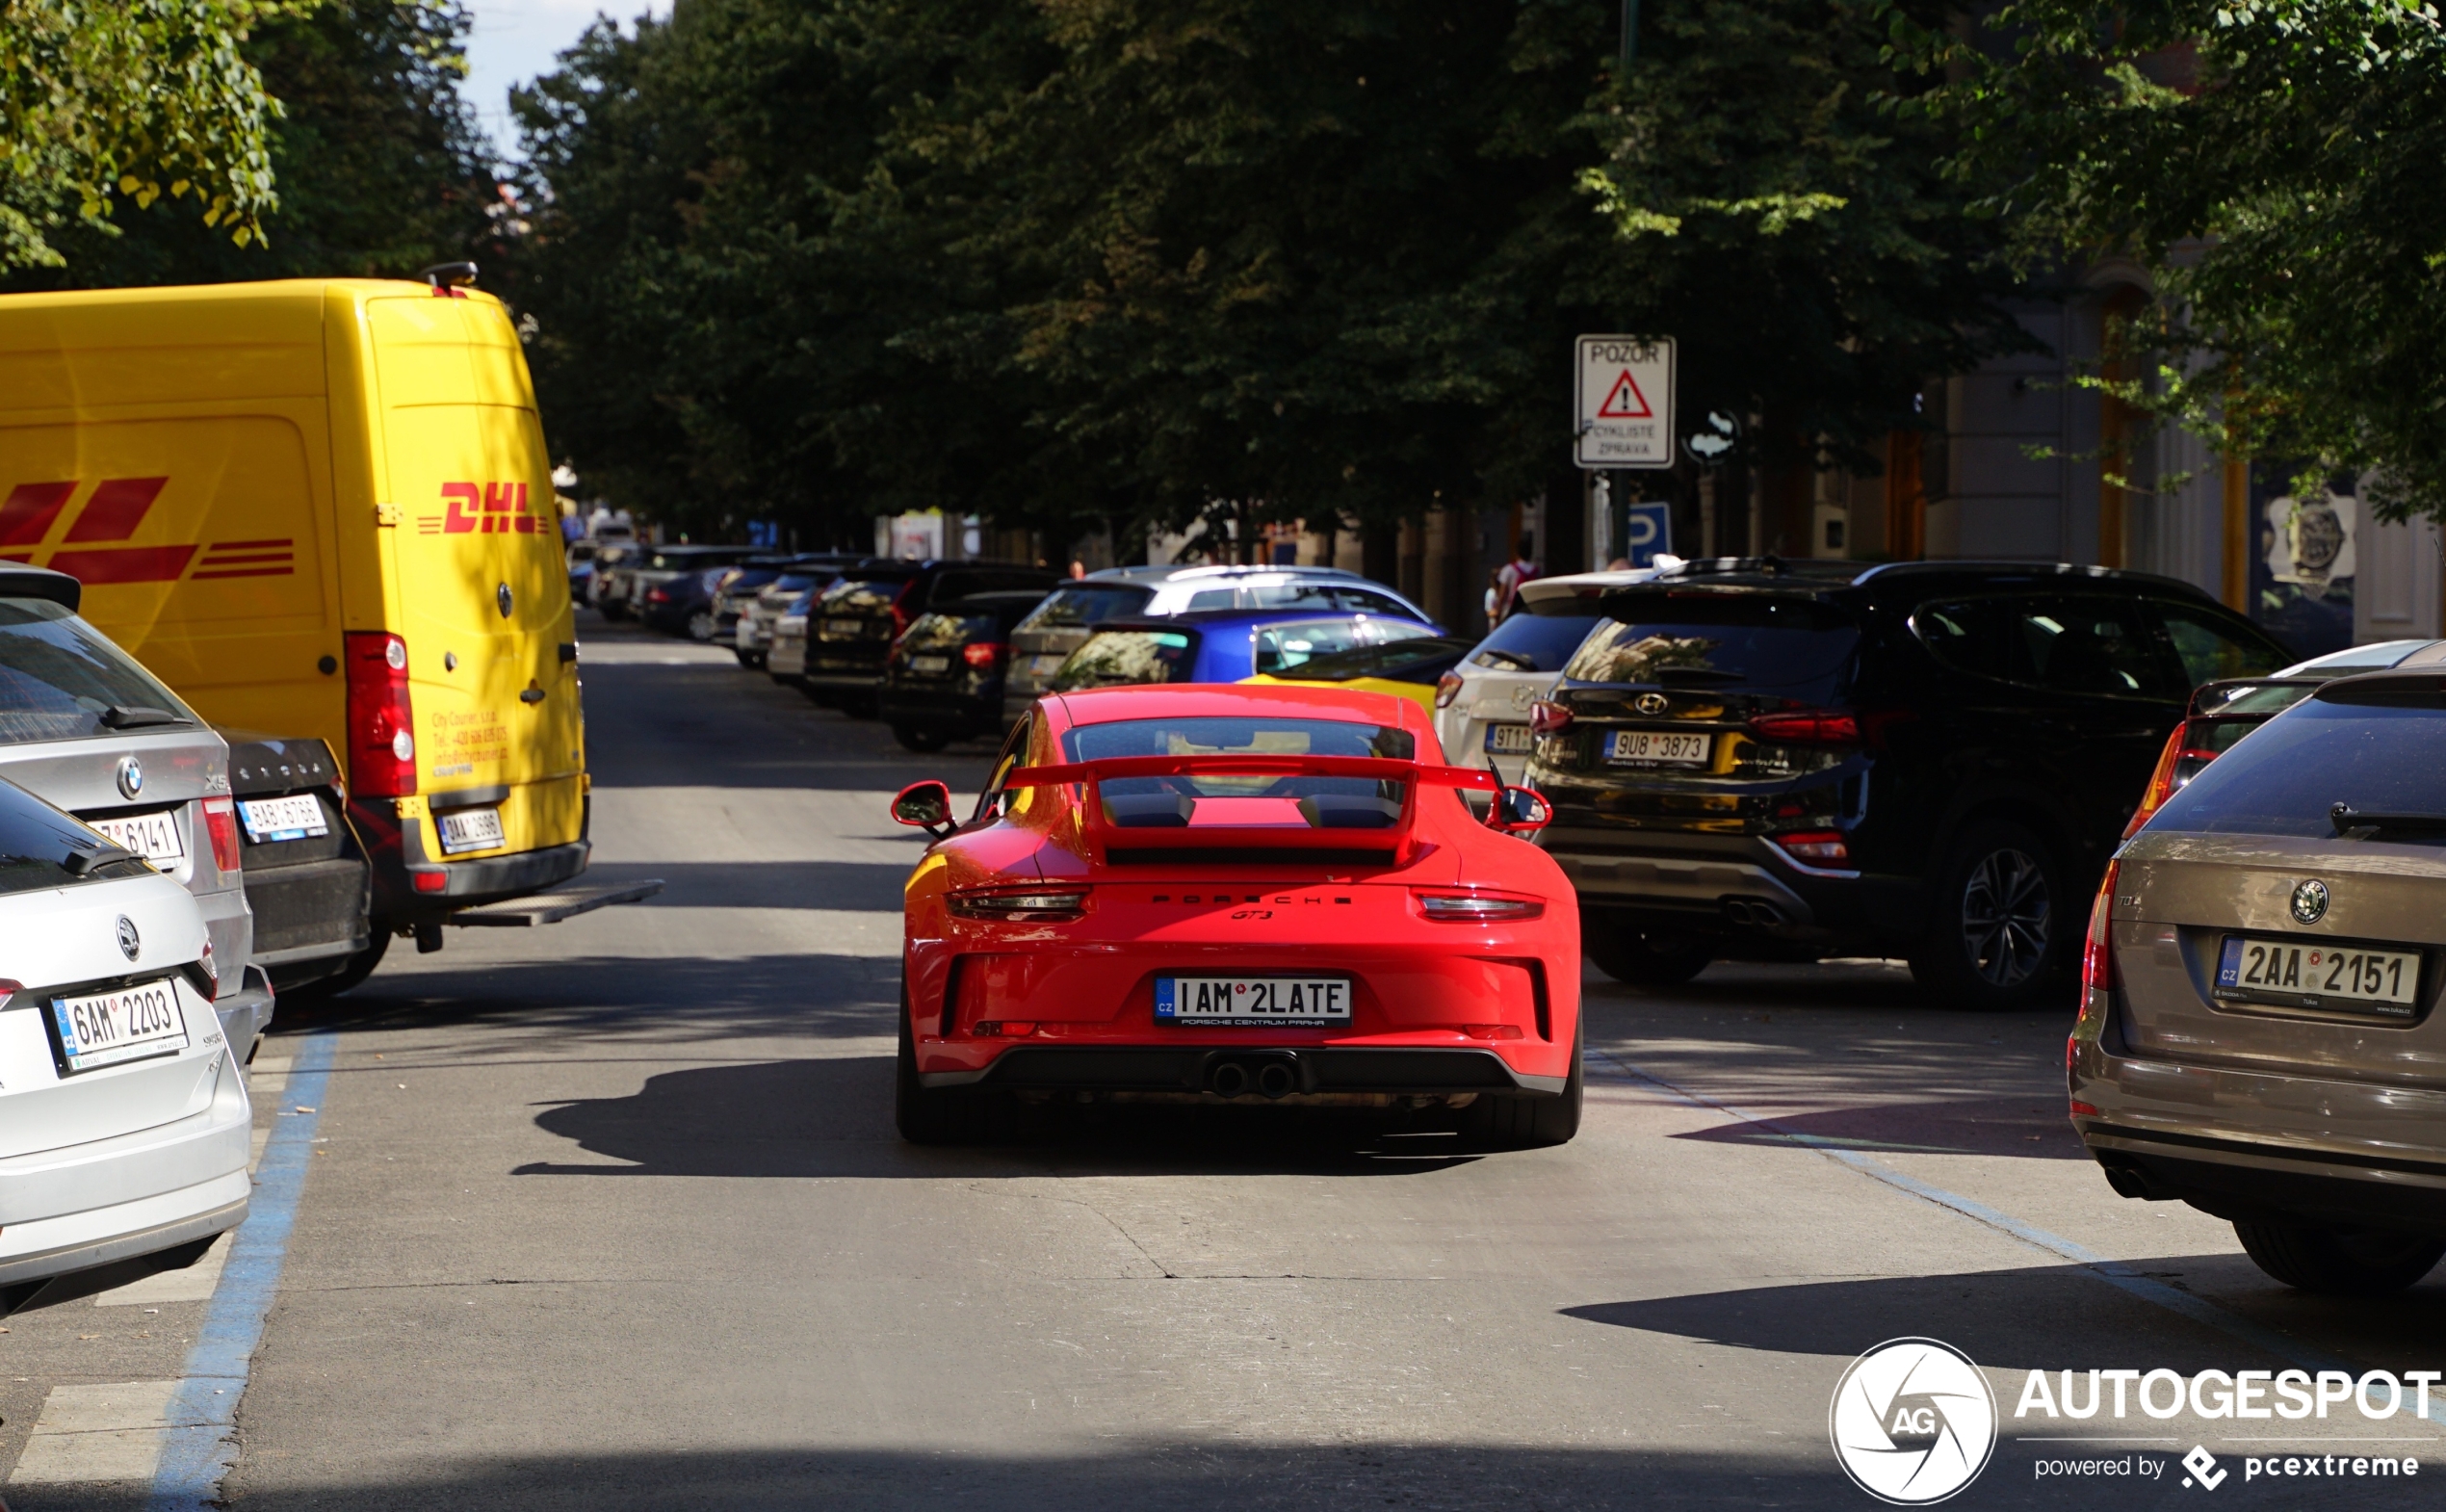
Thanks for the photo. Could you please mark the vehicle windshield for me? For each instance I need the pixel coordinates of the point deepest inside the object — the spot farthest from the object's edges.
(1251, 800)
(61, 680)
(42, 847)
(1719, 640)
(1410, 659)
(2283, 779)
(1084, 604)
(1530, 642)
(1281, 648)
(1116, 657)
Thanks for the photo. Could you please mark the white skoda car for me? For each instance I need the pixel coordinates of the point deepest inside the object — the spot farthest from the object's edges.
(123, 1115)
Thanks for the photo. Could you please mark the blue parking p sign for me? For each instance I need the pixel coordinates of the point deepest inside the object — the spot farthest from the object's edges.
(1648, 529)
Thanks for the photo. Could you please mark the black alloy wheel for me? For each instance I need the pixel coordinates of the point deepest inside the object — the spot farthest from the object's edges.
(1998, 938)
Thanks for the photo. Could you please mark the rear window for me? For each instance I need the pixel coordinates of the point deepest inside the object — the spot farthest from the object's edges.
(1080, 605)
(1411, 659)
(60, 678)
(1348, 597)
(1120, 658)
(960, 585)
(869, 596)
(1528, 641)
(1719, 640)
(1283, 649)
(2285, 777)
(43, 848)
(936, 630)
(1253, 800)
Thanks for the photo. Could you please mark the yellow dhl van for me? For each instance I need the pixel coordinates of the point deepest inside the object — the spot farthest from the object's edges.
(323, 508)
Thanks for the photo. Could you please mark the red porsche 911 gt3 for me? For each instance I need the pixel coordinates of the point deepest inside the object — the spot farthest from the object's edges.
(1191, 893)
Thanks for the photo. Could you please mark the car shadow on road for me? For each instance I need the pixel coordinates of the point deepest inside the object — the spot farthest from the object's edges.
(833, 1117)
(2009, 1126)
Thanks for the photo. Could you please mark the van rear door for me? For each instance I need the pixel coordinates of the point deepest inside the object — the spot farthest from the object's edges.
(481, 596)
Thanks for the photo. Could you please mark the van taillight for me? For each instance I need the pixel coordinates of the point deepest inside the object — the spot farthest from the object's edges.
(220, 822)
(2097, 952)
(381, 718)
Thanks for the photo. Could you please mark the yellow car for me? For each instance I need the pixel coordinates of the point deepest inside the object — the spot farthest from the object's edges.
(1408, 668)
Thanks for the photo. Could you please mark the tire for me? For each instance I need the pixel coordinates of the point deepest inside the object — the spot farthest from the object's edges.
(1510, 1121)
(360, 967)
(2340, 1262)
(2000, 933)
(938, 1115)
(858, 706)
(701, 626)
(918, 739)
(613, 610)
(753, 661)
(1630, 956)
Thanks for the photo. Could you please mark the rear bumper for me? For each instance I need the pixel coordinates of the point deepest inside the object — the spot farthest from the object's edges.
(1191, 1068)
(1736, 886)
(399, 860)
(247, 1011)
(954, 714)
(310, 911)
(2245, 1145)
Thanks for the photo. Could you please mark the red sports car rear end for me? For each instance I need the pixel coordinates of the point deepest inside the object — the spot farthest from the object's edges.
(1197, 894)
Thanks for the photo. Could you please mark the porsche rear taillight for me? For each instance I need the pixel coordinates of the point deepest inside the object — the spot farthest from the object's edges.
(2097, 951)
(381, 718)
(1447, 688)
(1476, 907)
(1020, 905)
(220, 822)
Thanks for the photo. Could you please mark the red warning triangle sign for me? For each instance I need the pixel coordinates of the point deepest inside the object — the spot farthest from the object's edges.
(1625, 401)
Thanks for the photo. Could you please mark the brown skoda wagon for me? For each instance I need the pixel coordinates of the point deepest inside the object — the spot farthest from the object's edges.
(2260, 1032)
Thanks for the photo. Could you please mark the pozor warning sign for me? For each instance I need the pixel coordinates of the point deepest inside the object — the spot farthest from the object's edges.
(1625, 401)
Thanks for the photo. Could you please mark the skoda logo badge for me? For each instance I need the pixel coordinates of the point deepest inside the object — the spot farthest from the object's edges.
(501, 596)
(2310, 902)
(128, 944)
(131, 776)
(1650, 703)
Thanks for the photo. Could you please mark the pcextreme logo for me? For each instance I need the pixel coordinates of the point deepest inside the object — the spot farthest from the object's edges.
(111, 513)
(1913, 1422)
(480, 510)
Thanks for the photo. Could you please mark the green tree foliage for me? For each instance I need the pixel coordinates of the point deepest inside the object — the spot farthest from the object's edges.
(2279, 166)
(1064, 260)
(381, 169)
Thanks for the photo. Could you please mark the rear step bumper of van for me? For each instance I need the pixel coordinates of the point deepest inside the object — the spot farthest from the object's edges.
(501, 876)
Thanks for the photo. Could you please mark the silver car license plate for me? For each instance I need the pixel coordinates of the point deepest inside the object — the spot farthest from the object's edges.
(1507, 740)
(152, 836)
(929, 666)
(102, 1029)
(1250, 1002)
(471, 829)
(1663, 747)
(845, 627)
(2318, 974)
(297, 816)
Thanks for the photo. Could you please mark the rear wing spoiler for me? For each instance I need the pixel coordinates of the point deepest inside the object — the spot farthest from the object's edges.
(1157, 833)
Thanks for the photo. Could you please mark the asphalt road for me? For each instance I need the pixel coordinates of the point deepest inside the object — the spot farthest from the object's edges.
(611, 1214)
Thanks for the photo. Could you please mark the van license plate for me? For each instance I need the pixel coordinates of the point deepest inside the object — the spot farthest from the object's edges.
(471, 829)
(1507, 740)
(1250, 1002)
(152, 836)
(2318, 974)
(103, 1028)
(297, 816)
(1665, 747)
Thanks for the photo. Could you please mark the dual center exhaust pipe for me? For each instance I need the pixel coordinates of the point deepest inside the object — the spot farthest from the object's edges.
(1268, 1076)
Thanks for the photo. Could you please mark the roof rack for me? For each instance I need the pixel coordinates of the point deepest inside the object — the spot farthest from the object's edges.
(2061, 569)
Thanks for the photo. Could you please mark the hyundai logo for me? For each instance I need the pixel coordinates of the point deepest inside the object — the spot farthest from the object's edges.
(128, 943)
(2310, 902)
(131, 776)
(1650, 703)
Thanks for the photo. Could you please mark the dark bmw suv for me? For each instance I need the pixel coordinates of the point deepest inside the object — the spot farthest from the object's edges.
(1794, 761)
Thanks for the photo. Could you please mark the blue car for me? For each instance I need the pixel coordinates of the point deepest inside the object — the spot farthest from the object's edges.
(1223, 646)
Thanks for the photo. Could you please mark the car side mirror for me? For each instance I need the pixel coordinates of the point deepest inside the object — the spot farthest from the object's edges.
(1519, 810)
(928, 805)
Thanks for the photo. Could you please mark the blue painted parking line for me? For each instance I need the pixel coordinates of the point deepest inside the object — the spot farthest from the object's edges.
(197, 1452)
(2113, 1273)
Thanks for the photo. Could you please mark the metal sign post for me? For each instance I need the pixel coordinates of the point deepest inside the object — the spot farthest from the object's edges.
(1625, 389)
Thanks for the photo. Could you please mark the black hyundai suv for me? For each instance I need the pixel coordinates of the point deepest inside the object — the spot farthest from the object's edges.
(1793, 760)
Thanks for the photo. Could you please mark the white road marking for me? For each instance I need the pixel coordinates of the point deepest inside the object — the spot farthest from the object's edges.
(194, 1283)
(90, 1433)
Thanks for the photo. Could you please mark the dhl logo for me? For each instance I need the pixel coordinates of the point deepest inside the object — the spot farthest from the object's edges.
(112, 512)
(487, 510)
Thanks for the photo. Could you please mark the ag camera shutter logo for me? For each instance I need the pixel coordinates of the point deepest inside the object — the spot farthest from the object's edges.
(1913, 1422)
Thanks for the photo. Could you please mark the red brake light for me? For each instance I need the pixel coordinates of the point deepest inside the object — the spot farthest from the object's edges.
(1459, 907)
(2097, 951)
(1492, 1031)
(658, 595)
(220, 822)
(983, 653)
(381, 718)
(901, 616)
(1818, 847)
(1004, 1029)
(1548, 718)
(1447, 688)
(1021, 906)
(2167, 777)
(1807, 727)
